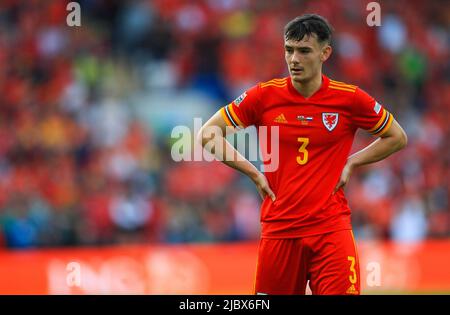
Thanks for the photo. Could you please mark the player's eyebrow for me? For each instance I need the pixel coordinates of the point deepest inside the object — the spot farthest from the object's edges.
(297, 47)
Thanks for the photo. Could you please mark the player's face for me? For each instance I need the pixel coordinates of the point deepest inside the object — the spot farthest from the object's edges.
(304, 58)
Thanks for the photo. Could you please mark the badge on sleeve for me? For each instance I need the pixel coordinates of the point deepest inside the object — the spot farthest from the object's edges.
(377, 108)
(240, 99)
(330, 120)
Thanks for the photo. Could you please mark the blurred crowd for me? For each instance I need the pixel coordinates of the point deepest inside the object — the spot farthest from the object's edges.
(79, 165)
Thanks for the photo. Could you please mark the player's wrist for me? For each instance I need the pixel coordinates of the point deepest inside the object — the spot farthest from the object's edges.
(254, 174)
(352, 164)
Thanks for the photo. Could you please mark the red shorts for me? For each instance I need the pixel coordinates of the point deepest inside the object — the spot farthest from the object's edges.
(329, 261)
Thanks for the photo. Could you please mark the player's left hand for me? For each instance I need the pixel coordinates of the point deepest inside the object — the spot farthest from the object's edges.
(345, 176)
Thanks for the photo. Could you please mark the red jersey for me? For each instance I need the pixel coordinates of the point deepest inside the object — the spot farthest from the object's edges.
(315, 138)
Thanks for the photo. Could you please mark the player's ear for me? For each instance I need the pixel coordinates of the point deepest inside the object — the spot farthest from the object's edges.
(326, 52)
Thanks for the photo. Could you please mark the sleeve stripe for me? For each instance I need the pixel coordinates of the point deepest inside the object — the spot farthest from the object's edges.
(388, 115)
(224, 115)
(383, 117)
(342, 84)
(389, 123)
(341, 88)
(235, 117)
(229, 116)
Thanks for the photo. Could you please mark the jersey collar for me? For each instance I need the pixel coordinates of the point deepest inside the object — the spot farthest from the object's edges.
(323, 87)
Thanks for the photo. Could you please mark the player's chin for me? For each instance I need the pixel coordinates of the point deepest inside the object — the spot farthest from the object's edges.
(298, 76)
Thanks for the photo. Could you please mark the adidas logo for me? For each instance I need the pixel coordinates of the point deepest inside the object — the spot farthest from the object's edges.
(352, 290)
(280, 119)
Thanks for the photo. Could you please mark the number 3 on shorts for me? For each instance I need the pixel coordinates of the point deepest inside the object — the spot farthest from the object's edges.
(352, 277)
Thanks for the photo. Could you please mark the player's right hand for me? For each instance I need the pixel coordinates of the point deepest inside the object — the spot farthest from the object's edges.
(263, 187)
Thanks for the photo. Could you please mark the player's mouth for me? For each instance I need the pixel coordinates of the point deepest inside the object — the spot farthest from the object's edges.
(297, 70)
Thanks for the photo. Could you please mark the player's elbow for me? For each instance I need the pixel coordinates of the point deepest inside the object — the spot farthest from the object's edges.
(402, 140)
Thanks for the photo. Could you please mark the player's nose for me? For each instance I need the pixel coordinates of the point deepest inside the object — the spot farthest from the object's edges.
(295, 58)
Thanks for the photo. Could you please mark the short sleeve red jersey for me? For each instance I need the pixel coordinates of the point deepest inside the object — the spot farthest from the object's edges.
(315, 138)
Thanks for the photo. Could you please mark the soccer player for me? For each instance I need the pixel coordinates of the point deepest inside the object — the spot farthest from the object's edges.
(306, 227)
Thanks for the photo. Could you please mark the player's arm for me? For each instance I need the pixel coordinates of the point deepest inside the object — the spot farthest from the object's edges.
(391, 141)
(212, 137)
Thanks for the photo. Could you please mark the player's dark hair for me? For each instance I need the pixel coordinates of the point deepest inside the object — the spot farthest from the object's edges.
(309, 24)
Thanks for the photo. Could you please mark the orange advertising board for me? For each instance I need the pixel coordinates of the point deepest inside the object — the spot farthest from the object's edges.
(205, 269)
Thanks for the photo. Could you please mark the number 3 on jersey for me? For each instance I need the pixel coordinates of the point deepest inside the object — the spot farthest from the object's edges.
(302, 159)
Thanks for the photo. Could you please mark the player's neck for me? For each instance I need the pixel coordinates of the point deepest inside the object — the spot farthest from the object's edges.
(308, 88)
